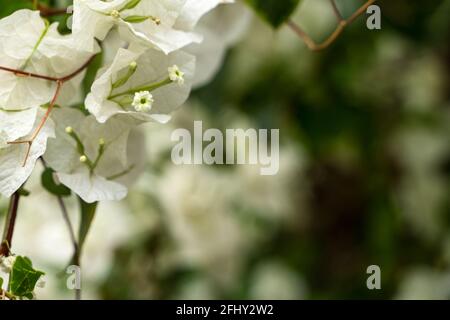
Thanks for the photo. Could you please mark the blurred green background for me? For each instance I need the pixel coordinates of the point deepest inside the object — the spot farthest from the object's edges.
(364, 177)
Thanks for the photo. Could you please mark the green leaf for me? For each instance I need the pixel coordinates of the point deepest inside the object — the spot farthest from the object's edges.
(23, 277)
(23, 192)
(1, 283)
(136, 19)
(91, 72)
(131, 5)
(87, 211)
(275, 12)
(87, 216)
(51, 186)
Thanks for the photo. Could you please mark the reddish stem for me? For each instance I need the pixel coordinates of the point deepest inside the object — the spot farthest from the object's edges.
(10, 224)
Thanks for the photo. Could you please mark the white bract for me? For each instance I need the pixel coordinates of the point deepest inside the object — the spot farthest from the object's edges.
(90, 158)
(132, 76)
(163, 24)
(28, 43)
(13, 174)
(220, 28)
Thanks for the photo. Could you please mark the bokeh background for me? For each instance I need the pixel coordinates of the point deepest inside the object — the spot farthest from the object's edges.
(364, 176)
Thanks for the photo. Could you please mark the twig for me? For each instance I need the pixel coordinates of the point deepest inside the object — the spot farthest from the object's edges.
(5, 294)
(343, 23)
(65, 215)
(59, 83)
(48, 11)
(10, 223)
(73, 238)
(336, 11)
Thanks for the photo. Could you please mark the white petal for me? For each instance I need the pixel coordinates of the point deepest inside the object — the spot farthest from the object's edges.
(17, 124)
(92, 188)
(194, 10)
(12, 172)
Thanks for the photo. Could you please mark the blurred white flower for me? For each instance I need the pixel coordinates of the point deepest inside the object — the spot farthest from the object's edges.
(221, 28)
(199, 216)
(422, 191)
(425, 284)
(274, 281)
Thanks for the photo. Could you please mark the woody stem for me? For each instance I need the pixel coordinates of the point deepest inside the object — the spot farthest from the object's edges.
(10, 224)
(343, 23)
(59, 83)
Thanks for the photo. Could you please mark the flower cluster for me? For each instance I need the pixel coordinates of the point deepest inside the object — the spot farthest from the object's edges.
(148, 50)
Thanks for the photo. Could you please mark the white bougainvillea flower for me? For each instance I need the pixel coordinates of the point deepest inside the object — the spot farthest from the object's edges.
(194, 10)
(176, 75)
(13, 173)
(221, 29)
(150, 22)
(132, 75)
(28, 43)
(163, 24)
(91, 158)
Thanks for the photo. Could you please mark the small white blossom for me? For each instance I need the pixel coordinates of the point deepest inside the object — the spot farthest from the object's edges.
(115, 14)
(143, 101)
(176, 75)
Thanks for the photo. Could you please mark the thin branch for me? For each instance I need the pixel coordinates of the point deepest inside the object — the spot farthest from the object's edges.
(65, 215)
(312, 45)
(336, 11)
(20, 73)
(72, 75)
(59, 83)
(10, 223)
(73, 238)
(50, 12)
(77, 71)
(47, 11)
(5, 294)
